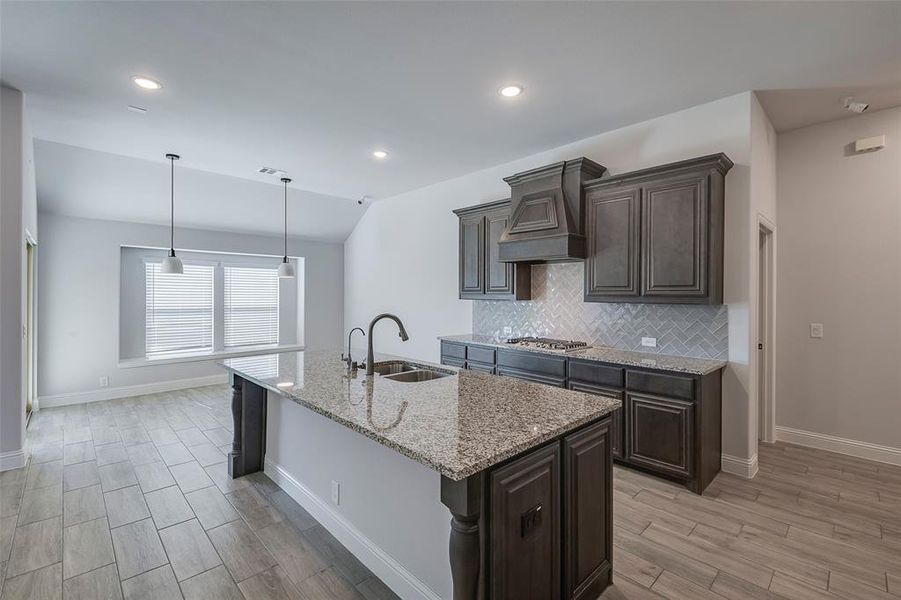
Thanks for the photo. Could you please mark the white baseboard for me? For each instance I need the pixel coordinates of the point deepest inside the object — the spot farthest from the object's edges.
(743, 467)
(404, 583)
(128, 391)
(822, 441)
(12, 460)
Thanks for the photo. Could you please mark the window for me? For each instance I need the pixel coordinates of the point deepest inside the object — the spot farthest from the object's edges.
(223, 305)
(251, 306)
(179, 310)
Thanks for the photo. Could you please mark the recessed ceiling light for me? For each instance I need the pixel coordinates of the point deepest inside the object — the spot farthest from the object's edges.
(380, 154)
(147, 83)
(510, 91)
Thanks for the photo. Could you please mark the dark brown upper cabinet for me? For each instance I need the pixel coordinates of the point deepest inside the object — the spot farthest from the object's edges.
(482, 275)
(656, 235)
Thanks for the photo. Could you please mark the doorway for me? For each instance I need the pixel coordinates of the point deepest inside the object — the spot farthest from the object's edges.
(766, 303)
(30, 342)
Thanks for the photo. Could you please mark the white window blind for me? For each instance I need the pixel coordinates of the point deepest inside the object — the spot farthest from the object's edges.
(251, 306)
(179, 310)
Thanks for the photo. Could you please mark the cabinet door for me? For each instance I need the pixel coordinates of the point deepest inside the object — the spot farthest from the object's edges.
(525, 527)
(617, 422)
(674, 217)
(612, 267)
(587, 512)
(472, 257)
(499, 278)
(660, 434)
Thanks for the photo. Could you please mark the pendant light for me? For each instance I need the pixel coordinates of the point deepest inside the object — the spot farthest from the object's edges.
(286, 269)
(172, 264)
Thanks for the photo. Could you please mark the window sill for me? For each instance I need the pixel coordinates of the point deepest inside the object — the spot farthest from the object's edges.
(131, 363)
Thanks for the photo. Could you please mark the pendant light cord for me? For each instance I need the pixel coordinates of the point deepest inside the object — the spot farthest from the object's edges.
(172, 204)
(286, 220)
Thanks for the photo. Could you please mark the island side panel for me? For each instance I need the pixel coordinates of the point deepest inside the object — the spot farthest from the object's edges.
(249, 414)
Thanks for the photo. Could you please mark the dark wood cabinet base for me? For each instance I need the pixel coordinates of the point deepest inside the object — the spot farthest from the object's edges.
(571, 475)
(249, 414)
(538, 526)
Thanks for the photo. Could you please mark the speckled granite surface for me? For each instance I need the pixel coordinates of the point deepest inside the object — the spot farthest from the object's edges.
(457, 425)
(681, 364)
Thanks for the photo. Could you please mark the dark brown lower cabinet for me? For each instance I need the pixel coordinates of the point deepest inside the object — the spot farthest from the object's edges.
(551, 520)
(617, 421)
(477, 366)
(587, 512)
(670, 424)
(661, 433)
(525, 527)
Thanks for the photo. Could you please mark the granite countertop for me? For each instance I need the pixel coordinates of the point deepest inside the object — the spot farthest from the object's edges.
(456, 425)
(664, 362)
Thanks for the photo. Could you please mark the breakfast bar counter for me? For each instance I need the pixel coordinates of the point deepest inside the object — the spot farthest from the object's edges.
(525, 468)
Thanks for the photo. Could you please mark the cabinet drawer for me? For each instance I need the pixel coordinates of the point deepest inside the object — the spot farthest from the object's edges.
(479, 354)
(658, 383)
(534, 377)
(595, 373)
(453, 350)
(453, 362)
(525, 527)
(533, 363)
(660, 434)
(482, 367)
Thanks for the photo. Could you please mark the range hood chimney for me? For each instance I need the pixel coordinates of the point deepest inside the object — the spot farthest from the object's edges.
(547, 222)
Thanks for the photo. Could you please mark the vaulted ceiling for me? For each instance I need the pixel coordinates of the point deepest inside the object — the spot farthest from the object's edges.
(314, 87)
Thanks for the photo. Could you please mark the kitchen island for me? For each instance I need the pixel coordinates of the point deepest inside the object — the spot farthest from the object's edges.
(525, 468)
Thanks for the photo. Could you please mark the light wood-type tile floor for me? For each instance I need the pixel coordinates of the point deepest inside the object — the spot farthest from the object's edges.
(131, 499)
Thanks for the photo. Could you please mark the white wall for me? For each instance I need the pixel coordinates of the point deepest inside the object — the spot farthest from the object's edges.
(762, 209)
(79, 295)
(17, 215)
(391, 500)
(402, 255)
(840, 265)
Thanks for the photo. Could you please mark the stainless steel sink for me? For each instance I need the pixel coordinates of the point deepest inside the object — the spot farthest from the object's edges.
(391, 367)
(417, 376)
(406, 372)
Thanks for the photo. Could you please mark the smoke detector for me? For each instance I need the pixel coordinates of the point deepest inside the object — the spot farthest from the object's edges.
(271, 171)
(854, 106)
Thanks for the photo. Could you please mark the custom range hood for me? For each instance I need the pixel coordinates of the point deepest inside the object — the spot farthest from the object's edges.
(547, 222)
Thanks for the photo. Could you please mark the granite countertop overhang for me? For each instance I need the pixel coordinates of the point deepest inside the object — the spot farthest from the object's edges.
(626, 358)
(457, 425)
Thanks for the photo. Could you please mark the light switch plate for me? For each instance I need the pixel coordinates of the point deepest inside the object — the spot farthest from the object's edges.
(649, 342)
(816, 330)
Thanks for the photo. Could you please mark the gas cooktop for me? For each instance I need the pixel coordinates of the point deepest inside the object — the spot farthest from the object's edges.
(547, 344)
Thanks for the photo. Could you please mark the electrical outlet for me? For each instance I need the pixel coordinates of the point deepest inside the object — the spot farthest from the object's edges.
(508, 330)
(649, 342)
(104, 381)
(816, 330)
(336, 493)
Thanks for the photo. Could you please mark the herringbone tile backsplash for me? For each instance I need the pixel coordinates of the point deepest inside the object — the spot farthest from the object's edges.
(557, 310)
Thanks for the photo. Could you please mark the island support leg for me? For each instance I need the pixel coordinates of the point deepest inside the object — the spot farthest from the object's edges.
(249, 415)
(464, 500)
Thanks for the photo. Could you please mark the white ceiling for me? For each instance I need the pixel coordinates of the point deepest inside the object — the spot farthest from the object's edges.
(791, 109)
(85, 183)
(313, 87)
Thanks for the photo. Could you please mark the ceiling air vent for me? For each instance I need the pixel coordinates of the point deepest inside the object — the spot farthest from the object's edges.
(271, 171)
